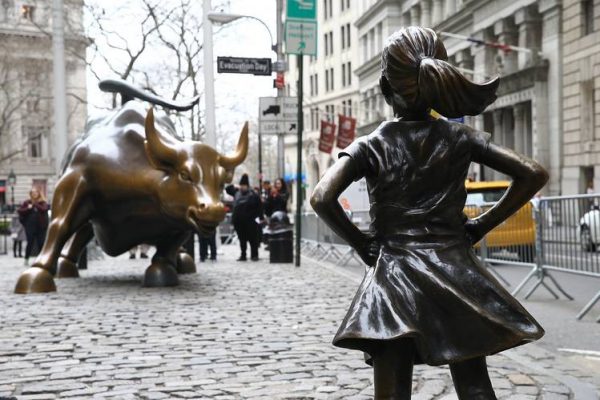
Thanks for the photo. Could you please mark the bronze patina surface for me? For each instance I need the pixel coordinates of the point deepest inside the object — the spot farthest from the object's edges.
(426, 297)
(129, 180)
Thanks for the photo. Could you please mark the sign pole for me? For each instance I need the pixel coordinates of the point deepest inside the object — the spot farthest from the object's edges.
(299, 156)
(260, 169)
(280, 91)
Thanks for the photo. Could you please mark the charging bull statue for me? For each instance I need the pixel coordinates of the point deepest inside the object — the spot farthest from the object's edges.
(129, 180)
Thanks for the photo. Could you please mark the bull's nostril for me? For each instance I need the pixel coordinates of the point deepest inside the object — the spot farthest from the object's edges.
(202, 206)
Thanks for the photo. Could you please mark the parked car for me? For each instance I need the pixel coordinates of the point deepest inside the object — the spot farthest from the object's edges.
(589, 229)
(516, 234)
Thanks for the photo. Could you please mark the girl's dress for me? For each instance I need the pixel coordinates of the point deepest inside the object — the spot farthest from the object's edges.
(427, 284)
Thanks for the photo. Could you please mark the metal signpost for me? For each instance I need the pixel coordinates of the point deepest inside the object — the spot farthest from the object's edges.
(300, 39)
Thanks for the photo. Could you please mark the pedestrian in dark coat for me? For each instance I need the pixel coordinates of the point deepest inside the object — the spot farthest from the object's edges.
(247, 208)
(33, 214)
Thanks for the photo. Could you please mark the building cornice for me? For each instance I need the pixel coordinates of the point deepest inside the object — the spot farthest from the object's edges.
(373, 10)
(523, 79)
(367, 67)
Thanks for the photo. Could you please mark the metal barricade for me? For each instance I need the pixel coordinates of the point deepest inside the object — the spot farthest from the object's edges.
(547, 234)
(5, 225)
(568, 240)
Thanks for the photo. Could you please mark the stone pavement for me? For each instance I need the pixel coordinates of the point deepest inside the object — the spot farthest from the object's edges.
(231, 331)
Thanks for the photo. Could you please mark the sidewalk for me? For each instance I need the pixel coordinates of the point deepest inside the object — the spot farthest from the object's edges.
(231, 331)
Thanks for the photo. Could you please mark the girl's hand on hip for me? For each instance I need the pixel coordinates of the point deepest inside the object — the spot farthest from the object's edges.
(369, 252)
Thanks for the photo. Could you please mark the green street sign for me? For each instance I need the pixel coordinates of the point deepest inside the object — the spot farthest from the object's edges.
(302, 9)
(301, 37)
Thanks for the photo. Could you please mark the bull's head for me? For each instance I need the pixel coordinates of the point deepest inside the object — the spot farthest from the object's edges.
(194, 175)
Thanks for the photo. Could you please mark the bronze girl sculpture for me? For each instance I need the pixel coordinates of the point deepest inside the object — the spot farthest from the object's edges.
(425, 297)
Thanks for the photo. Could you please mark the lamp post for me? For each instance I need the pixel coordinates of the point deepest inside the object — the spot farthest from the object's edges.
(12, 181)
(222, 18)
(209, 79)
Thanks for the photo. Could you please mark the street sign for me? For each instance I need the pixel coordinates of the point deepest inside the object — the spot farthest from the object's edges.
(280, 66)
(301, 37)
(302, 9)
(244, 65)
(278, 115)
(278, 128)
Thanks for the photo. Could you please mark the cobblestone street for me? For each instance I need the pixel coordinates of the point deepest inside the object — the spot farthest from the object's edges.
(231, 331)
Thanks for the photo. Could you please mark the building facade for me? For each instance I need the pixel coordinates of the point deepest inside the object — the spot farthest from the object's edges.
(330, 86)
(581, 101)
(26, 93)
(527, 114)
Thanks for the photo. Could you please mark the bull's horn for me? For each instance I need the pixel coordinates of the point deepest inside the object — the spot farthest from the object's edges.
(161, 154)
(232, 161)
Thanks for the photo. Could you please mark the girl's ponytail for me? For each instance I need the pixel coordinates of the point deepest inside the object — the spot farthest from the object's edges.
(416, 76)
(446, 90)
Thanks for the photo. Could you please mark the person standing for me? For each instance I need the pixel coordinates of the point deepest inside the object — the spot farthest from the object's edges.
(265, 190)
(143, 251)
(278, 198)
(17, 233)
(246, 209)
(33, 214)
(206, 241)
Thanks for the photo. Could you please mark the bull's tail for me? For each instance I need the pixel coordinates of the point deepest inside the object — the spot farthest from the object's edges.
(129, 91)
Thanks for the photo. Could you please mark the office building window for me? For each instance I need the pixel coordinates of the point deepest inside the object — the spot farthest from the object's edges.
(343, 36)
(326, 40)
(587, 11)
(349, 73)
(331, 79)
(349, 108)
(327, 80)
(27, 12)
(348, 35)
(331, 43)
(343, 75)
(33, 136)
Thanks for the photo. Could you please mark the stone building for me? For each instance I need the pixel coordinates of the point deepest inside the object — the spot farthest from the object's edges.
(26, 92)
(581, 101)
(527, 114)
(330, 86)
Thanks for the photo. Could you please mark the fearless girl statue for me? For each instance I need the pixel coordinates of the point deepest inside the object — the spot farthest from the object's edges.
(426, 297)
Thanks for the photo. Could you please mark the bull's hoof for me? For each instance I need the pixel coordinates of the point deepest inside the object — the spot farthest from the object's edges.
(185, 264)
(160, 274)
(67, 269)
(35, 280)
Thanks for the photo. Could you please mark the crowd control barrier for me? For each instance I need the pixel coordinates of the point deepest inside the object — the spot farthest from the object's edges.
(547, 234)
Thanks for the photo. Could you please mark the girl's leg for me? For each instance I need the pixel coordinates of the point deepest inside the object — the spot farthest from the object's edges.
(471, 380)
(393, 366)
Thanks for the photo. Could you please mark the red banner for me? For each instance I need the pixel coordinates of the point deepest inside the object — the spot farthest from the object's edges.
(347, 131)
(327, 136)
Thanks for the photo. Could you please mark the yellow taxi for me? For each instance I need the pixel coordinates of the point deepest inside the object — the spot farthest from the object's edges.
(516, 234)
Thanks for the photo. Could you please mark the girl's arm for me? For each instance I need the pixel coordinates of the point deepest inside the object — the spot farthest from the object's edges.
(324, 201)
(528, 178)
